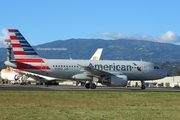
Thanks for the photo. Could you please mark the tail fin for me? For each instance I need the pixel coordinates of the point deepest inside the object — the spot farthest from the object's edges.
(97, 54)
(24, 53)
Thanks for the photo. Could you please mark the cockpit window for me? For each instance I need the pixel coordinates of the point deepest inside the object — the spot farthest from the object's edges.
(156, 67)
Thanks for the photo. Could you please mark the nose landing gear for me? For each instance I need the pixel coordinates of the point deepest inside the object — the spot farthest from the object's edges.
(142, 85)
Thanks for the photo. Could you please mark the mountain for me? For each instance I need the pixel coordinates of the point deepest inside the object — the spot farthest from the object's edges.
(3, 55)
(121, 49)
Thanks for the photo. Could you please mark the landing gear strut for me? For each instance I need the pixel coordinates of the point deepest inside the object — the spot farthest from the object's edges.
(142, 85)
(90, 85)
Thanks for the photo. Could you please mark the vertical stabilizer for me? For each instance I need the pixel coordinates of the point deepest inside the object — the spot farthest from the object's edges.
(97, 54)
(24, 53)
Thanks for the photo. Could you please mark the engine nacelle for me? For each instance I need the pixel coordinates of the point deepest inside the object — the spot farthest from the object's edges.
(81, 77)
(17, 77)
(12, 77)
(116, 80)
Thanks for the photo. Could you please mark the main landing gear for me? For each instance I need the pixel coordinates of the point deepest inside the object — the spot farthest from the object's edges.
(142, 85)
(90, 85)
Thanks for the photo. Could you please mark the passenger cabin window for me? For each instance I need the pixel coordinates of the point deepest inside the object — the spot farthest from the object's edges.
(156, 67)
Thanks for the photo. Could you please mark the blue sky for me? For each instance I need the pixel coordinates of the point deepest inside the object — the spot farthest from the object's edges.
(42, 21)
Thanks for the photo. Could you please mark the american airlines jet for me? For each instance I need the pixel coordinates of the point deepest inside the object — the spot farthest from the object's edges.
(106, 72)
(16, 76)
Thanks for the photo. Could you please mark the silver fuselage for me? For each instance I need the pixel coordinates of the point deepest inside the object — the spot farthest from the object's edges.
(134, 70)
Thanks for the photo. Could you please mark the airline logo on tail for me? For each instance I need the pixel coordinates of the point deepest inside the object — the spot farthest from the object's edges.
(97, 54)
(95, 58)
(24, 53)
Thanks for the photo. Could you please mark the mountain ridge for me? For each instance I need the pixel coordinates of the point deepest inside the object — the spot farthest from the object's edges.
(121, 49)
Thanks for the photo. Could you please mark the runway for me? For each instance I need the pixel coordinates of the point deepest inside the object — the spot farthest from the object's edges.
(82, 88)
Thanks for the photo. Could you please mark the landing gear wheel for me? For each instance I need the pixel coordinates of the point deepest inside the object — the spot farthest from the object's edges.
(47, 84)
(143, 87)
(93, 86)
(87, 86)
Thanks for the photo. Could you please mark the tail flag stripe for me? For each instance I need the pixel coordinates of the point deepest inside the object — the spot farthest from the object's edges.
(23, 53)
(13, 38)
(26, 56)
(19, 45)
(29, 60)
(16, 45)
(34, 67)
(21, 49)
(19, 53)
(13, 30)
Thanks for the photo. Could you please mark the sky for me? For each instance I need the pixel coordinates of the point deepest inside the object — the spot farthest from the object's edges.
(42, 21)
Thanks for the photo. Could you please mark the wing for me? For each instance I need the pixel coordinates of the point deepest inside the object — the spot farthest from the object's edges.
(92, 72)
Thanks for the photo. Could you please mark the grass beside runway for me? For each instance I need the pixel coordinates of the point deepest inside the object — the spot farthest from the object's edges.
(69, 105)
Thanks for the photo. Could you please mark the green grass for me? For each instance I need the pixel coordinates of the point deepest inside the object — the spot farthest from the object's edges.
(64, 105)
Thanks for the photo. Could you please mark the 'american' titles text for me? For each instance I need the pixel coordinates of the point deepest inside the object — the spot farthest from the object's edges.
(111, 67)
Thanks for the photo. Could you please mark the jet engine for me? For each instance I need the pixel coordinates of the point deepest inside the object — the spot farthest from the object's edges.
(114, 80)
(12, 77)
(17, 77)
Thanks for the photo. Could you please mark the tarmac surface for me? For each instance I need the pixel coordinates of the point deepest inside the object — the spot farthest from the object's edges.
(82, 88)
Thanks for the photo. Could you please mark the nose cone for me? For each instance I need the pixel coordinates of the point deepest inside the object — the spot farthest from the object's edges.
(157, 74)
(162, 73)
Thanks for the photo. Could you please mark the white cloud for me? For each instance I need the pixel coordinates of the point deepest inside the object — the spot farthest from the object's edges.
(3, 37)
(168, 37)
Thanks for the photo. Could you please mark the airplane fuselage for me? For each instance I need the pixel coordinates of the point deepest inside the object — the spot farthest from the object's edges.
(134, 70)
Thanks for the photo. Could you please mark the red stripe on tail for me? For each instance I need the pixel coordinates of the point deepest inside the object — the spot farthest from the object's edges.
(11, 30)
(30, 60)
(19, 53)
(13, 38)
(33, 67)
(16, 45)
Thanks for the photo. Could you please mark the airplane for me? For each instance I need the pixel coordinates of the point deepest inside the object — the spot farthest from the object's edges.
(106, 72)
(97, 54)
(16, 76)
